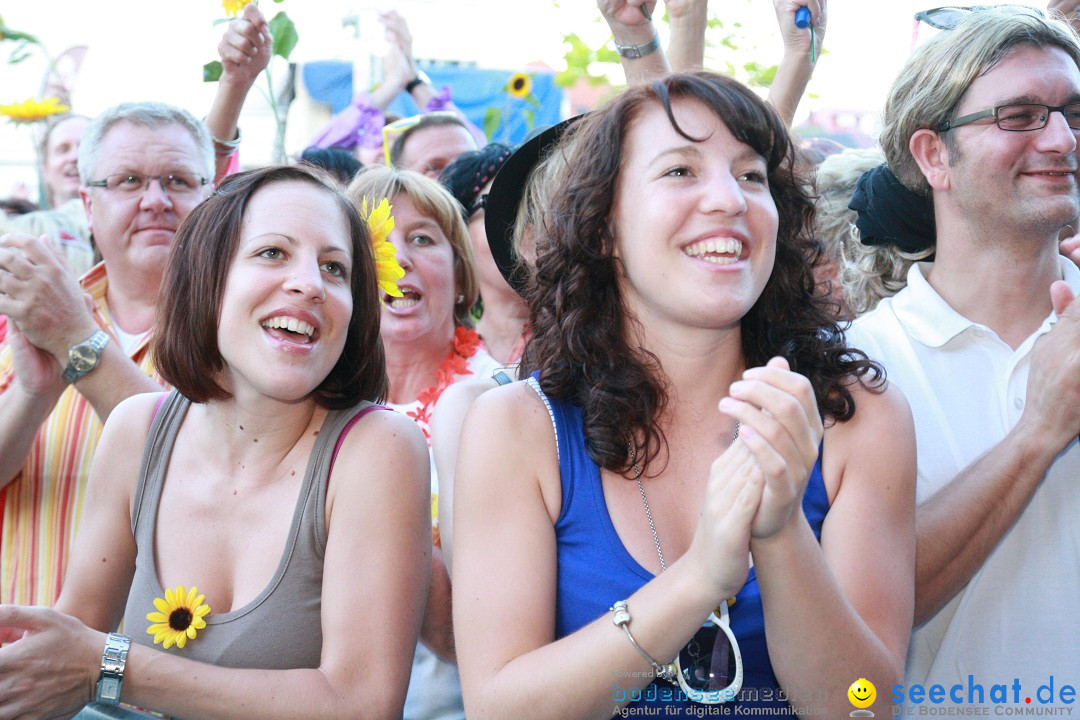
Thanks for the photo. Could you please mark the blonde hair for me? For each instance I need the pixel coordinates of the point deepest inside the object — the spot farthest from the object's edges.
(939, 72)
(871, 273)
(376, 182)
(544, 180)
(834, 183)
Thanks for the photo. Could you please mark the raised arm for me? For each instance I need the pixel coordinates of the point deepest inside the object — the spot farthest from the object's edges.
(796, 66)
(857, 583)
(245, 51)
(508, 497)
(398, 66)
(688, 20)
(421, 91)
(960, 525)
(372, 597)
(631, 24)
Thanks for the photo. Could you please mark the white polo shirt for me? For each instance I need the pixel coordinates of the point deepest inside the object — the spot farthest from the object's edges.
(1019, 616)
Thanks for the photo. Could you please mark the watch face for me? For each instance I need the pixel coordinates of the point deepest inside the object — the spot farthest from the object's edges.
(83, 359)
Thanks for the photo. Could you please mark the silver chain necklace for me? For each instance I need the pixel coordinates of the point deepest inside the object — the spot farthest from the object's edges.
(645, 499)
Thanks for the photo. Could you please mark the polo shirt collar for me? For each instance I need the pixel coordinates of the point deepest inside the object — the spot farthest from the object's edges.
(933, 322)
(927, 317)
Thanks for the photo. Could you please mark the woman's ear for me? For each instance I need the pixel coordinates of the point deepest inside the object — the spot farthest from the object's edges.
(932, 155)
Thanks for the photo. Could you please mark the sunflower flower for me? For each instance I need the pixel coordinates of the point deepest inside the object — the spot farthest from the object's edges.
(179, 615)
(520, 85)
(233, 7)
(32, 110)
(380, 224)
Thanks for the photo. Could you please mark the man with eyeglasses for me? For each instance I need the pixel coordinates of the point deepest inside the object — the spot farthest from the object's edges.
(77, 348)
(985, 343)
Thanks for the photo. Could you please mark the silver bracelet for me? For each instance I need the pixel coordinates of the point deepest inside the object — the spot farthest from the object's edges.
(621, 618)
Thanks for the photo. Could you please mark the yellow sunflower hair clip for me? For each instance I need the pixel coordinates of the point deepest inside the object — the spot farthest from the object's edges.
(380, 224)
(179, 615)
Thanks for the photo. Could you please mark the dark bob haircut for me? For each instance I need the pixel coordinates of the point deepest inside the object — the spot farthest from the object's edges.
(185, 345)
(580, 324)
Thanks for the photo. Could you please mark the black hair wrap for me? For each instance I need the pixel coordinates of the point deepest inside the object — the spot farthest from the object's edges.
(891, 214)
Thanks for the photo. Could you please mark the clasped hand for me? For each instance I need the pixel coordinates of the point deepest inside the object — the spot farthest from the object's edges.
(782, 429)
(756, 485)
(47, 310)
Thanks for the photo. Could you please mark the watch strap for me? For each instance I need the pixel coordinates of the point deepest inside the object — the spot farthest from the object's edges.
(638, 51)
(113, 663)
(420, 79)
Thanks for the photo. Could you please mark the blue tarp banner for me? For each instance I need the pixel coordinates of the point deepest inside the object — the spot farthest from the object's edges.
(473, 90)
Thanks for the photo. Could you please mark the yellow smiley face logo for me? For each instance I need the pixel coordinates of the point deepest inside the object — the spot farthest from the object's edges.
(862, 693)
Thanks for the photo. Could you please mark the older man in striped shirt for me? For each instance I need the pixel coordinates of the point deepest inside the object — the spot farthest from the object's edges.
(75, 349)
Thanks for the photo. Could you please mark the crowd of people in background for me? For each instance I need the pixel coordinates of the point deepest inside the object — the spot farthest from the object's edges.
(663, 410)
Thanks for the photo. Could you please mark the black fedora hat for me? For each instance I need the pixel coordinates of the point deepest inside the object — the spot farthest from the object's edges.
(507, 190)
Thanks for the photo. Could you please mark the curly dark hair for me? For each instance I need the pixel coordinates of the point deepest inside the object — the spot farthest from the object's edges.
(580, 343)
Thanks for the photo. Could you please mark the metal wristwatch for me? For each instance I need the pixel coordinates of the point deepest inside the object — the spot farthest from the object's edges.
(638, 51)
(84, 357)
(113, 662)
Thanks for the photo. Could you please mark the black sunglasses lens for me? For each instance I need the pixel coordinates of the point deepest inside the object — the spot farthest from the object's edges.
(707, 662)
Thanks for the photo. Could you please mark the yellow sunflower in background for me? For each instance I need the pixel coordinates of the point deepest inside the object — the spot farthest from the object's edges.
(33, 110)
(380, 224)
(233, 7)
(180, 614)
(520, 85)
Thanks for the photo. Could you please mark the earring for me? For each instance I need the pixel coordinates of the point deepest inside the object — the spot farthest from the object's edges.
(460, 299)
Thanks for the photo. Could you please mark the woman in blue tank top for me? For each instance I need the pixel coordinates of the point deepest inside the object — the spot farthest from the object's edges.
(701, 499)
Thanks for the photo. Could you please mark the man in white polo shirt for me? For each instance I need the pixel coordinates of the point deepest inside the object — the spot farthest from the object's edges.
(985, 343)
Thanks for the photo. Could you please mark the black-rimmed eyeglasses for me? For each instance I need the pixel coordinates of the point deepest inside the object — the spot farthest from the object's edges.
(1018, 117)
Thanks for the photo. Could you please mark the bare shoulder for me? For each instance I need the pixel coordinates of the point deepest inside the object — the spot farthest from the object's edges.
(876, 409)
(516, 406)
(881, 433)
(456, 399)
(509, 440)
(383, 434)
(465, 391)
(135, 414)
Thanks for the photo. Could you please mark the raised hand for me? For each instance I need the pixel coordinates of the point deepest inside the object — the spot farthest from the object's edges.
(246, 47)
(398, 35)
(628, 13)
(782, 429)
(797, 39)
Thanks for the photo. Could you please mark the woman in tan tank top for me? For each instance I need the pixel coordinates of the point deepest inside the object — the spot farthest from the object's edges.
(265, 482)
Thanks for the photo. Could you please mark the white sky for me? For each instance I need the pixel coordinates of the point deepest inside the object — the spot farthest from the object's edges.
(154, 49)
